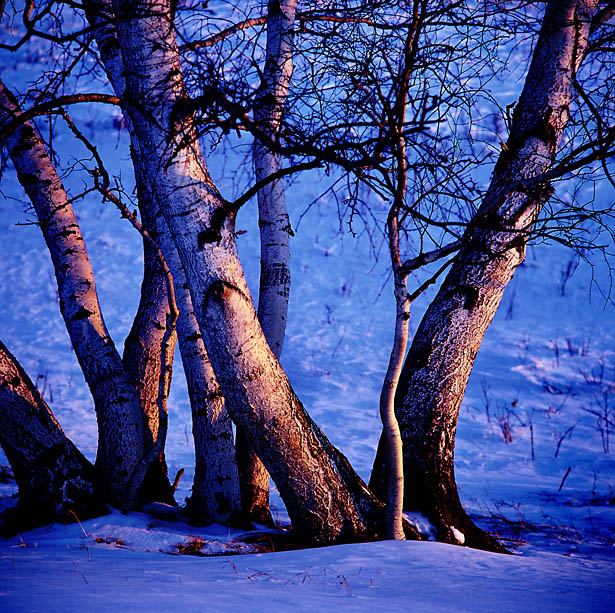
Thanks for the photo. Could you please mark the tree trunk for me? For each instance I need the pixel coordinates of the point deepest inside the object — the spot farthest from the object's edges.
(391, 433)
(55, 481)
(120, 445)
(273, 221)
(253, 481)
(275, 232)
(325, 499)
(439, 362)
(215, 492)
(145, 363)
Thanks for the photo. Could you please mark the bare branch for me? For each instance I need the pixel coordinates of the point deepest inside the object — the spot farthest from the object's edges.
(424, 286)
(274, 176)
(45, 108)
(216, 38)
(430, 256)
(602, 16)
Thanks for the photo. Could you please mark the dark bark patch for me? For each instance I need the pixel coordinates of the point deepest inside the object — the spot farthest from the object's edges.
(418, 358)
(156, 486)
(222, 503)
(213, 396)
(221, 290)
(217, 290)
(194, 337)
(274, 7)
(27, 178)
(82, 313)
(13, 382)
(208, 236)
(222, 215)
(66, 232)
(275, 275)
(470, 295)
(213, 234)
(49, 458)
(109, 47)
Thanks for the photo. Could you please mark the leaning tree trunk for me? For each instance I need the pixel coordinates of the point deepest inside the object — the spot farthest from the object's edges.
(120, 443)
(275, 231)
(56, 483)
(440, 359)
(146, 348)
(326, 500)
(215, 492)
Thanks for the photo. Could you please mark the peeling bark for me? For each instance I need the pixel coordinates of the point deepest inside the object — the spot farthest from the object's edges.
(439, 362)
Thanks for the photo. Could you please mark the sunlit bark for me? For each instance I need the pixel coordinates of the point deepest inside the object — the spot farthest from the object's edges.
(120, 446)
(325, 499)
(439, 362)
(275, 231)
(215, 492)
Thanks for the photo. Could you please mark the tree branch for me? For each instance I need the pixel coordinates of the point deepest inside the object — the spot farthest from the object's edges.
(602, 16)
(416, 293)
(302, 17)
(53, 105)
(274, 176)
(430, 256)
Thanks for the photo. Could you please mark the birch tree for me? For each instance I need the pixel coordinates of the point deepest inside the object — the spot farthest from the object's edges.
(215, 492)
(440, 359)
(119, 417)
(400, 71)
(275, 230)
(334, 505)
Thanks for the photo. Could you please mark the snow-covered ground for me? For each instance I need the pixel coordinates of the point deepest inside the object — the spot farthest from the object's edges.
(62, 569)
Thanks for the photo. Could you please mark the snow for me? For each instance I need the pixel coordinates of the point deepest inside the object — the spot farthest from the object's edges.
(535, 456)
(460, 537)
(426, 529)
(61, 569)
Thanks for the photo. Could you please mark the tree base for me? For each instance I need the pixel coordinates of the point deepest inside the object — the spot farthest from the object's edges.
(156, 486)
(454, 526)
(29, 514)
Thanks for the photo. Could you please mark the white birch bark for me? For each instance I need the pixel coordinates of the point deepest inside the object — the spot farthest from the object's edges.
(318, 494)
(275, 231)
(119, 419)
(439, 362)
(391, 431)
(393, 528)
(56, 483)
(215, 492)
(274, 223)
